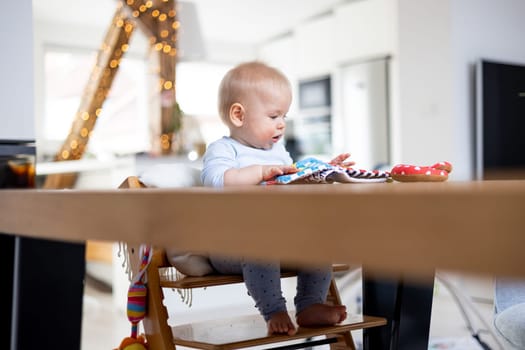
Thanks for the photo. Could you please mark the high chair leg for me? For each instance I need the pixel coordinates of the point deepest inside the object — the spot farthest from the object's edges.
(158, 332)
(334, 298)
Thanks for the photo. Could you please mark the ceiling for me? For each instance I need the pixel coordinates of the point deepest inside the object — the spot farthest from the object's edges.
(247, 22)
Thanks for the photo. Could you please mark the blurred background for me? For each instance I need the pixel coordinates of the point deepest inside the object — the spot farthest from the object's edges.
(390, 81)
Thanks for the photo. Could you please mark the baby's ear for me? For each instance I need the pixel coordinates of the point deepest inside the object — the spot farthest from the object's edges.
(237, 114)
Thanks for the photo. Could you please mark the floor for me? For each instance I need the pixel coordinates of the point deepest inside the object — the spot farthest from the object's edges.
(105, 323)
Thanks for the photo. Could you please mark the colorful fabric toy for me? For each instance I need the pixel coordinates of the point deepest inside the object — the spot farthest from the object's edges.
(136, 309)
(312, 170)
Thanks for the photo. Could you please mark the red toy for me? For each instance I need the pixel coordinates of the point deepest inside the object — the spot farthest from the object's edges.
(415, 173)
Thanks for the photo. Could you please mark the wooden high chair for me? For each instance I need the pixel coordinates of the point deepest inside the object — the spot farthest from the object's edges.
(231, 333)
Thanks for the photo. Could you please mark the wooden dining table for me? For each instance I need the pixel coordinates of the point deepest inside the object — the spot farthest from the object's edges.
(390, 229)
(476, 227)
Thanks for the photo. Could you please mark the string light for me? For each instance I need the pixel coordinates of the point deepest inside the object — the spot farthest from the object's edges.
(165, 141)
(163, 41)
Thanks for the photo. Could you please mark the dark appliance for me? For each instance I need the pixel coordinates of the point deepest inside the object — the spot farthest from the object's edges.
(42, 280)
(500, 120)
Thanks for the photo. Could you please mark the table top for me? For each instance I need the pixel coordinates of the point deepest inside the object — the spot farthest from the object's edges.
(390, 228)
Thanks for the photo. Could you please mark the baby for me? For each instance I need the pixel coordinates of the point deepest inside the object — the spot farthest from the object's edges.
(254, 99)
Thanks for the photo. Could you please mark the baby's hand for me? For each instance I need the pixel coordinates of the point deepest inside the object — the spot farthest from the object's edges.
(340, 160)
(271, 171)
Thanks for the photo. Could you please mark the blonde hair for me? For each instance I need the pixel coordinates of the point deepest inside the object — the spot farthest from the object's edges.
(248, 78)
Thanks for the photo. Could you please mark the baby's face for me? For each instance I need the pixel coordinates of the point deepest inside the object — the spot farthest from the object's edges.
(265, 115)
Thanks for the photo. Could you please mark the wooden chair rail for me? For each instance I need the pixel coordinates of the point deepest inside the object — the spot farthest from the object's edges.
(169, 279)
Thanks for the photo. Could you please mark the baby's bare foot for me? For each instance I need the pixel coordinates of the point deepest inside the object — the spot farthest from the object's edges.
(281, 323)
(321, 315)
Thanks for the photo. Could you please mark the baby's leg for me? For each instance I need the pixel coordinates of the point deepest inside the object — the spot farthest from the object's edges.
(312, 289)
(263, 281)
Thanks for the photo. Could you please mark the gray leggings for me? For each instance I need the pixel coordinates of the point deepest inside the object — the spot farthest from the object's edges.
(263, 281)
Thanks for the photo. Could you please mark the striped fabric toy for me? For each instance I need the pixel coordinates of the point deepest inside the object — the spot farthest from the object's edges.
(136, 306)
(136, 309)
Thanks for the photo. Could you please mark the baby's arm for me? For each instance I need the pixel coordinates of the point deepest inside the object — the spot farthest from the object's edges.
(255, 174)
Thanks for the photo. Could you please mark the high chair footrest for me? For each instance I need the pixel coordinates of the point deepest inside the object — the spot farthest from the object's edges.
(247, 331)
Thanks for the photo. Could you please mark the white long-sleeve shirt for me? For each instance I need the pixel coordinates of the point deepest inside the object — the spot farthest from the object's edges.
(226, 153)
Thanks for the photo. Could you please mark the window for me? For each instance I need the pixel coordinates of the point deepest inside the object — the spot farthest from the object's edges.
(197, 89)
(122, 127)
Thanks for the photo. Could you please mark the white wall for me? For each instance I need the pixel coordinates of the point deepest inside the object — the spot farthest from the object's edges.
(425, 83)
(16, 71)
(280, 53)
(353, 31)
(314, 47)
(482, 29)
(439, 43)
(365, 29)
